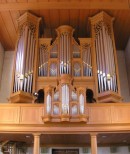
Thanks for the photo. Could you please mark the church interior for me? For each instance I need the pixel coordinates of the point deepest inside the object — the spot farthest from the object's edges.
(64, 76)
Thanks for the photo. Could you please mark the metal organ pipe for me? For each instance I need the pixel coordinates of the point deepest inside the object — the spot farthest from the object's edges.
(27, 62)
(48, 109)
(17, 69)
(81, 102)
(69, 54)
(24, 61)
(19, 63)
(23, 64)
(90, 61)
(101, 59)
(105, 60)
(65, 34)
(109, 57)
(31, 68)
(65, 99)
(98, 62)
(86, 57)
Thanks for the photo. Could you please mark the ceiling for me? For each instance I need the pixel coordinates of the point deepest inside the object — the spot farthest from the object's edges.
(59, 12)
(71, 140)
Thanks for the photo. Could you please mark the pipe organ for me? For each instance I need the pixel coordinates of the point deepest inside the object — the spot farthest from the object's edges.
(65, 68)
(106, 63)
(23, 77)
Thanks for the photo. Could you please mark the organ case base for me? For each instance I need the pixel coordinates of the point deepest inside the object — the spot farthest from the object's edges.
(109, 97)
(21, 97)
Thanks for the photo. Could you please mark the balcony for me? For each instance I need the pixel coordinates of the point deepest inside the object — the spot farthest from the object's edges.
(101, 117)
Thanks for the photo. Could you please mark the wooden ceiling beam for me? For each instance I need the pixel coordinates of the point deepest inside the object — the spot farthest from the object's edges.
(96, 4)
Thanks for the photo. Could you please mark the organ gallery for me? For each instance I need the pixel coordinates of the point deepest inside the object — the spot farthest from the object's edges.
(65, 68)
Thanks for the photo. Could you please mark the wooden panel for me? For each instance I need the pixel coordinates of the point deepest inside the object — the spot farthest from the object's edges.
(121, 114)
(99, 115)
(65, 139)
(23, 1)
(4, 36)
(12, 1)
(70, 140)
(24, 4)
(64, 17)
(15, 15)
(83, 20)
(77, 18)
(43, 0)
(45, 15)
(9, 26)
(2, 1)
(9, 115)
(32, 1)
(31, 115)
(54, 21)
(74, 20)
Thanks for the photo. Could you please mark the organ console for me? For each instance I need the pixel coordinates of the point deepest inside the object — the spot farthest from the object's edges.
(65, 68)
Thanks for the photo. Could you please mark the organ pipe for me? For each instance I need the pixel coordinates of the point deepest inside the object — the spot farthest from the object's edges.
(81, 102)
(87, 59)
(65, 42)
(48, 107)
(25, 53)
(65, 99)
(24, 61)
(105, 55)
(43, 59)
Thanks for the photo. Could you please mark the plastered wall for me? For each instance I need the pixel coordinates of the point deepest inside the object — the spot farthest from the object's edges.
(101, 150)
(6, 76)
(127, 59)
(123, 76)
(1, 62)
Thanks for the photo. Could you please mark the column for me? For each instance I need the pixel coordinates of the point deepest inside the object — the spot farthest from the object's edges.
(36, 148)
(94, 143)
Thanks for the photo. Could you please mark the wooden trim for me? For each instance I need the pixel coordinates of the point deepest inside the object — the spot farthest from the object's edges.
(63, 129)
(66, 5)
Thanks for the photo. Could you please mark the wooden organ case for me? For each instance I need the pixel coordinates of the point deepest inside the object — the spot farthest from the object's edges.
(65, 68)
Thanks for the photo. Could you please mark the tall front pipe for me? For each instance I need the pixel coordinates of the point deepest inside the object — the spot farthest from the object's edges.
(65, 34)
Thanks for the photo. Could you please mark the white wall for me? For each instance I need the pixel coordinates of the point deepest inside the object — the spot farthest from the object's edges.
(127, 58)
(101, 150)
(123, 76)
(120, 150)
(6, 76)
(1, 61)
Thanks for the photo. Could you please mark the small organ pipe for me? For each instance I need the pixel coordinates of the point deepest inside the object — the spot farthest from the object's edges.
(29, 67)
(106, 52)
(17, 69)
(26, 63)
(33, 52)
(103, 60)
(65, 35)
(98, 63)
(48, 104)
(90, 62)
